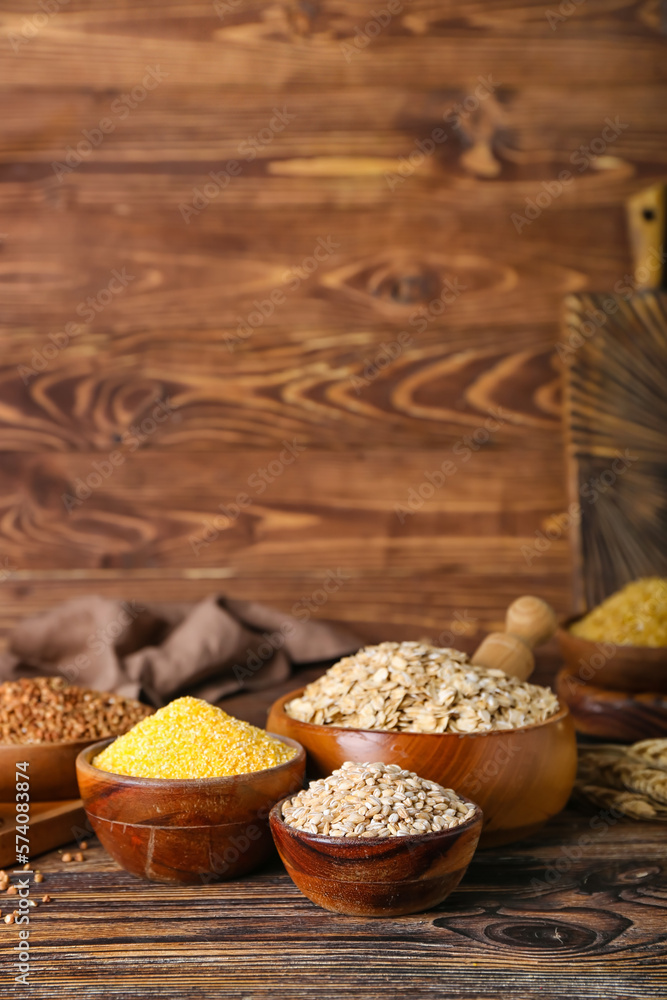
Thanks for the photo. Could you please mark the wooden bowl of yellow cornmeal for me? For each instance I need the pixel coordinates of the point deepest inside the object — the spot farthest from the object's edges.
(185, 795)
(622, 643)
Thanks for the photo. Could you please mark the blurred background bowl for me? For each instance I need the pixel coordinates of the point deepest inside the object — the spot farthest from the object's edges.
(604, 713)
(194, 830)
(608, 665)
(383, 877)
(519, 777)
(51, 769)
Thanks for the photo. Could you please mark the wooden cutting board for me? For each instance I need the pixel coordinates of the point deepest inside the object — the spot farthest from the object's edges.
(51, 825)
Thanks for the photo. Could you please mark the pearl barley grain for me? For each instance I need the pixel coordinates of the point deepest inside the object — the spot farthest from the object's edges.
(338, 806)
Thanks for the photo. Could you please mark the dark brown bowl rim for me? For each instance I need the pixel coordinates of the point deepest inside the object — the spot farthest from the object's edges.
(562, 713)
(407, 838)
(51, 746)
(84, 764)
(564, 629)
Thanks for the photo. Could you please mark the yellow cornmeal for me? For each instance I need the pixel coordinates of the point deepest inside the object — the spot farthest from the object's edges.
(633, 616)
(190, 738)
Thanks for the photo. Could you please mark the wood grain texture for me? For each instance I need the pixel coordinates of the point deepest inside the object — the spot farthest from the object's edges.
(50, 825)
(329, 137)
(155, 514)
(382, 265)
(445, 606)
(50, 767)
(428, 45)
(166, 334)
(332, 389)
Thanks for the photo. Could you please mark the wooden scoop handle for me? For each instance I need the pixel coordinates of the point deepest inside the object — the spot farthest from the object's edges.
(532, 619)
(529, 622)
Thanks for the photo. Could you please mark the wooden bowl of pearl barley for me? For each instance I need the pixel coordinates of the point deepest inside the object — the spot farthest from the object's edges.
(376, 867)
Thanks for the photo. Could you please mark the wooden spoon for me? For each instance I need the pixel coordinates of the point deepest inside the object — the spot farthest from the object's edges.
(529, 621)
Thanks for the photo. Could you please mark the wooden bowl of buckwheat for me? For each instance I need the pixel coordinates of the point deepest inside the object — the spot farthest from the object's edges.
(45, 722)
(376, 840)
(508, 745)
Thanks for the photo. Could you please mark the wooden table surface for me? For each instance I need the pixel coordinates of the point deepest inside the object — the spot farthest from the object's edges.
(577, 911)
(515, 927)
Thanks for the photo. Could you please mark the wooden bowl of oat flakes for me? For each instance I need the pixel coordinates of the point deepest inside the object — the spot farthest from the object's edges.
(508, 745)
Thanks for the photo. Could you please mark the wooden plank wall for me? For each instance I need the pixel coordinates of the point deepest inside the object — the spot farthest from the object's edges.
(123, 292)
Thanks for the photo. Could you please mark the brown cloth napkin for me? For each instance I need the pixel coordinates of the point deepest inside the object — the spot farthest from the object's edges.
(160, 651)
